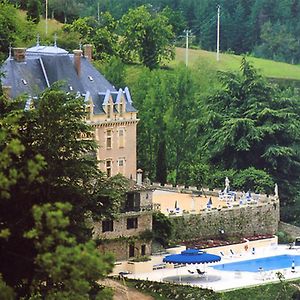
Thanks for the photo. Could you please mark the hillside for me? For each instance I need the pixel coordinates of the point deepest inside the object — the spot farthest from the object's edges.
(53, 25)
(231, 62)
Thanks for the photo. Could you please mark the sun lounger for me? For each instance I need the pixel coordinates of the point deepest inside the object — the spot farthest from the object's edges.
(201, 273)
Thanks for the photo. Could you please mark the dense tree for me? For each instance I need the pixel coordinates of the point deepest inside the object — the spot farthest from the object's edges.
(8, 27)
(33, 11)
(162, 228)
(65, 269)
(114, 71)
(47, 156)
(253, 124)
(101, 34)
(146, 37)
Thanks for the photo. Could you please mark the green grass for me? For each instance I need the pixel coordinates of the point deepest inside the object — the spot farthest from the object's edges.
(53, 25)
(231, 62)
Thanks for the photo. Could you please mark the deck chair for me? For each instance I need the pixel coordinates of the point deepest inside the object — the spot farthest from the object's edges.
(201, 273)
(232, 254)
(222, 253)
(191, 272)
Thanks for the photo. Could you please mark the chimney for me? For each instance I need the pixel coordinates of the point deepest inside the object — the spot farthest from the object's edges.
(19, 54)
(88, 51)
(77, 62)
(139, 177)
(6, 90)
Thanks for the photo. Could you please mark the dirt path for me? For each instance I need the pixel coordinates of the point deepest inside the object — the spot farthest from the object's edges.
(122, 292)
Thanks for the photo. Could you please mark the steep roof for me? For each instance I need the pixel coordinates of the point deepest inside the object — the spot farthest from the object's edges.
(44, 65)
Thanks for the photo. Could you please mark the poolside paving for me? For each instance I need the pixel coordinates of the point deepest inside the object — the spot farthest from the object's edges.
(225, 280)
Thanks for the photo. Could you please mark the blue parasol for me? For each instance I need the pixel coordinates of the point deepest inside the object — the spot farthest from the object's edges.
(192, 256)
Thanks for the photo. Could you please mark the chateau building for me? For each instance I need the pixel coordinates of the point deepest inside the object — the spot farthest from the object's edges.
(113, 116)
(111, 112)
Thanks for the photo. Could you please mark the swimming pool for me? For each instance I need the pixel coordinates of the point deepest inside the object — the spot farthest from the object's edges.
(266, 263)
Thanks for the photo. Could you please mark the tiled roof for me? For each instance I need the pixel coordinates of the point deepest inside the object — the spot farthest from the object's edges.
(45, 65)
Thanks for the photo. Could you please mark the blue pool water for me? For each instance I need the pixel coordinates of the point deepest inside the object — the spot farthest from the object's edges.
(266, 263)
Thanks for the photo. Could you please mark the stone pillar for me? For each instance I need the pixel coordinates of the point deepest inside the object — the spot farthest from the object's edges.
(19, 54)
(77, 60)
(88, 51)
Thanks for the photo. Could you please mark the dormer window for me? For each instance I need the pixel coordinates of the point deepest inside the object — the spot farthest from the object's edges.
(90, 78)
(24, 81)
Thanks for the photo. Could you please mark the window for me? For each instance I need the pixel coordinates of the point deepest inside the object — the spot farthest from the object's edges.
(108, 111)
(129, 204)
(121, 137)
(107, 225)
(108, 139)
(132, 223)
(108, 168)
(121, 165)
(143, 250)
(131, 250)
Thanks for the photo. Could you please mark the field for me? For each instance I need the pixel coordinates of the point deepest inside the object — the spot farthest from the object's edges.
(231, 62)
(53, 25)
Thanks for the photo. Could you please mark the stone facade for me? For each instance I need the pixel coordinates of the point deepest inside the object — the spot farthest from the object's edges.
(240, 221)
(126, 235)
(115, 132)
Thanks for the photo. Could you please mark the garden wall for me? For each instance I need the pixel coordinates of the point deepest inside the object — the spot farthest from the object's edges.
(237, 221)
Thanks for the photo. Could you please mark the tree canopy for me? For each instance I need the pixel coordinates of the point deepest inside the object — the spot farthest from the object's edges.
(50, 185)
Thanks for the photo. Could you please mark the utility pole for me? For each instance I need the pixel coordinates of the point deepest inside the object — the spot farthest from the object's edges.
(218, 34)
(187, 32)
(46, 18)
(98, 12)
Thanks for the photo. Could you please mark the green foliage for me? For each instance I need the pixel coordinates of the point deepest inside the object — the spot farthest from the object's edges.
(101, 34)
(33, 11)
(141, 259)
(47, 155)
(64, 269)
(173, 291)
(167, 101)
(254, 180)
(253, 124)
(162, 228)
(282, 290)
(8, 26)
(114, 71)
(146, 37)
(6, 293)
(283, 237)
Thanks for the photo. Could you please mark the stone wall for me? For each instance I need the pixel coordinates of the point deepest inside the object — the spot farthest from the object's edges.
(120, 248)
(240, 221)
(120, 226)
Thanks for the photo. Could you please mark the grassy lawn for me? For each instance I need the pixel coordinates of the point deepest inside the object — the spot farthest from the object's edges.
(231, 62)
(163, 291)
(53, 25)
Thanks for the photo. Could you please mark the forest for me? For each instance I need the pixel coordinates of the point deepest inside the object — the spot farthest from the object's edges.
(197, 125)
(189, 132)
(263, 28)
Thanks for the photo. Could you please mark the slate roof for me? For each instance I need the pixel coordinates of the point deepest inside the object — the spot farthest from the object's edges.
(45, 65)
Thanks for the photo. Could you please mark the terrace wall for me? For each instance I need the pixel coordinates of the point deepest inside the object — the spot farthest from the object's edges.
(237, 221)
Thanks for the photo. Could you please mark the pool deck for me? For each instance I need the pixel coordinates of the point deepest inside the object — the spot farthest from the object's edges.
(225, 280)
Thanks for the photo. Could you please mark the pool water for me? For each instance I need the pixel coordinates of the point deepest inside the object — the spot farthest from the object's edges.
(266, 263)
